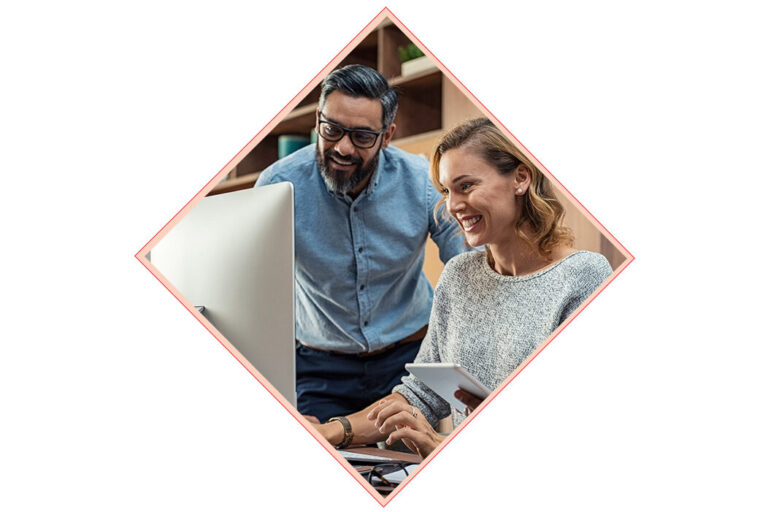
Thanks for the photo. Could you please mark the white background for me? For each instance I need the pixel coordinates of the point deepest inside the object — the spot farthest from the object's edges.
(115, 398)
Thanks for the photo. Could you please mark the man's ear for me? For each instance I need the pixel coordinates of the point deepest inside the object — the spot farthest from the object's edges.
(522, 177)
(387, 136)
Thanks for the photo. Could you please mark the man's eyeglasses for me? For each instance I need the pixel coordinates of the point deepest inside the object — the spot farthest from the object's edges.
(332, 132)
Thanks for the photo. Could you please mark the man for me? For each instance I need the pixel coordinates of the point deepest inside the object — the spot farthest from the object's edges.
(363, 211)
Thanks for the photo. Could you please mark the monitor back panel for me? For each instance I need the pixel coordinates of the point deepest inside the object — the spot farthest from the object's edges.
(234, 255)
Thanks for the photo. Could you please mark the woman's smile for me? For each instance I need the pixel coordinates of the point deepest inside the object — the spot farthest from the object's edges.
(469, 222)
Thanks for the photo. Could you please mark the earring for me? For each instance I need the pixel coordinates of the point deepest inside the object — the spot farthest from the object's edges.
(520, 191)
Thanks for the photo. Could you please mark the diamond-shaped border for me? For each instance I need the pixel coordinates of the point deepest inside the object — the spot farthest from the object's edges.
(141, 255)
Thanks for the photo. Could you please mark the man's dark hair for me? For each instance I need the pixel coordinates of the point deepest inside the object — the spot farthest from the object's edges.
(361, 81)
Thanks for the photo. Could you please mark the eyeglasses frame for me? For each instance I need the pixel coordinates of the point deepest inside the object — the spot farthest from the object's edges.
(377, 471)
(345, 131)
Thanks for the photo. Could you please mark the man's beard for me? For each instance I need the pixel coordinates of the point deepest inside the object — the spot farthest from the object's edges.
(343, 182)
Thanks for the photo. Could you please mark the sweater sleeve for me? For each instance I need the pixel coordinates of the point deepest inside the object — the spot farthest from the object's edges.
(417, 393)
(588, 278)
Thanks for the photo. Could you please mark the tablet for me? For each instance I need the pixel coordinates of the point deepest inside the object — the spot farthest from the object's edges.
(445, 378)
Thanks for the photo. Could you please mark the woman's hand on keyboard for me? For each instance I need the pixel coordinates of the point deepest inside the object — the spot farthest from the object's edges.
(405, 422)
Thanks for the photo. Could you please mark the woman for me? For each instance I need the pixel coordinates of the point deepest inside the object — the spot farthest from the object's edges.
(491, 309)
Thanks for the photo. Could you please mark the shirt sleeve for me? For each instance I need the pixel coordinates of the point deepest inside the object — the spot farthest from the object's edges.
(416, 392)
(267, 177)
(445, 231)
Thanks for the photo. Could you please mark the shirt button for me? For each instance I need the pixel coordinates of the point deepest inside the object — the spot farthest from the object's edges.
(360, 250)
(365, 323)
(354, 209)
(362, 287)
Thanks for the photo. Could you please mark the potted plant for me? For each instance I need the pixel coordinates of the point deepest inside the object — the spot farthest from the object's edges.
(412, 60)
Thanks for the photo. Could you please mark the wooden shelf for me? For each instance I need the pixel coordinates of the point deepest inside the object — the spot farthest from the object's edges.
(420, 144)
(420, 116)
(300, 112)
(428, 77)
(233, 184)
(301, 120)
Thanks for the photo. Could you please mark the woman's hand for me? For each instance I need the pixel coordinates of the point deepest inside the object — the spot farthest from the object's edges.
(471, 401)
(405, 422)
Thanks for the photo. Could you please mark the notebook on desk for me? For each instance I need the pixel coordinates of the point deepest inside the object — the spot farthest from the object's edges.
(361, 458)
(373, 456)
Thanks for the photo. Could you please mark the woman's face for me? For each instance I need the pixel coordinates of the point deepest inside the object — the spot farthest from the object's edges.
(483, 201)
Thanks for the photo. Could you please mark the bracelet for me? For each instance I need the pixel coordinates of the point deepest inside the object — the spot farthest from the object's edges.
(348, 435)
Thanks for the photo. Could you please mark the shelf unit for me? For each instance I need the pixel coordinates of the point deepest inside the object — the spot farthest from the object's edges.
(429, 103)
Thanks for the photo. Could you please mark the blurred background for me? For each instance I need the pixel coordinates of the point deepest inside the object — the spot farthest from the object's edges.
(429, 105)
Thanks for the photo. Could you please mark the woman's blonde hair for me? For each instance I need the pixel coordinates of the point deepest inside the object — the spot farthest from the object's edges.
(541, 212)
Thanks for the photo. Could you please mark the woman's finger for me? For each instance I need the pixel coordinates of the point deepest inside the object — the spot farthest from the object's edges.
(376, 410)
(470, 400)
(388, 410)
(399, 420)
(410, 445)
(419, 442)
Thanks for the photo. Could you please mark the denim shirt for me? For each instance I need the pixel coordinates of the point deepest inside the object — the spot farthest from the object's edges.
(359, 279)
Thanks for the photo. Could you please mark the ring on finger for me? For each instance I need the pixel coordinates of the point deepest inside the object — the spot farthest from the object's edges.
(413, 411)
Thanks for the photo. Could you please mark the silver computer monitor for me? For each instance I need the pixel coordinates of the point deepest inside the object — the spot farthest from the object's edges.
(233, 254)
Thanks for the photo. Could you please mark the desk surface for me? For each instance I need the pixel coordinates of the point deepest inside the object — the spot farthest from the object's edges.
(407, 458)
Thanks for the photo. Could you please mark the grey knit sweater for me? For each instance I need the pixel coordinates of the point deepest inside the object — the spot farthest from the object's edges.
(489, 323)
